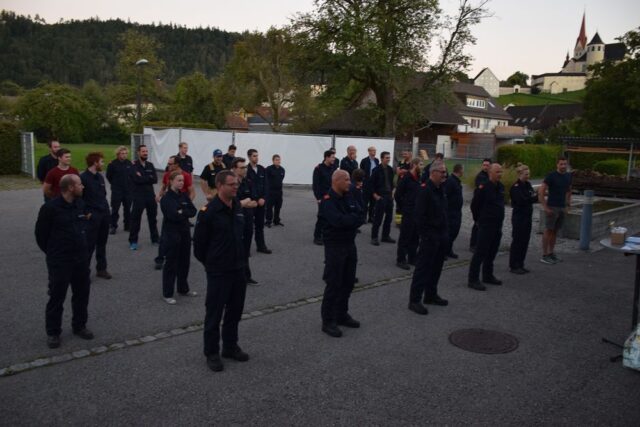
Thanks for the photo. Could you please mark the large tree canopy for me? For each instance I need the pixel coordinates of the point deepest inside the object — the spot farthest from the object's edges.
(382, 44)
(612, 101)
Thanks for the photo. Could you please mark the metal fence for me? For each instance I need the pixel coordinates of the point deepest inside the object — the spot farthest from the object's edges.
(27, 154)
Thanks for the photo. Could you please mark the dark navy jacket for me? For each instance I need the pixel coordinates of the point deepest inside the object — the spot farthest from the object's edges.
(217, 238)
(487, 206)
(378, 180)
(45, 164)
(342, 216)
(176, 208)
(186, 164)
(275, 176)
(143, 183)
(119, 175)
(407, 193)
(348, 165)
(523, 196)
(453, 191)
(61, 231)
(481, 178)
(227, 159)
(94, 193)
(258, 182)
(431, 210)
(365, 164)
(322, 180)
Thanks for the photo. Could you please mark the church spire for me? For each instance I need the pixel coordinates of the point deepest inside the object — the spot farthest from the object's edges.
(581, 41)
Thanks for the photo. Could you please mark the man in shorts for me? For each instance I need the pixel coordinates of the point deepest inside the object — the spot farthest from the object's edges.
(557, 187)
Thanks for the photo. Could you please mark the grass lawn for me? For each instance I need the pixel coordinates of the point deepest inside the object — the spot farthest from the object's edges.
(575, 97)
(79, 153)
(18, 182)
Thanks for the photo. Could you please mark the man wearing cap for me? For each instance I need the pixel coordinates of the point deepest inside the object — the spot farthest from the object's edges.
(208, 175)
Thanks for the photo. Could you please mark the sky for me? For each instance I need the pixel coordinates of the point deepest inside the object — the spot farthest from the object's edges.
(528, 36)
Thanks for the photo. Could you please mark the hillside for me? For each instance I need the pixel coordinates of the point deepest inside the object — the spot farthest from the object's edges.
(543, 98)
(73, 52)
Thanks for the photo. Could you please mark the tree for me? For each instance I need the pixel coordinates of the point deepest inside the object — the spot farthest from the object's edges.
(58, 110)
(382, 44)
(517, 78)
(612, 100)
(136, 46)
(194, 99)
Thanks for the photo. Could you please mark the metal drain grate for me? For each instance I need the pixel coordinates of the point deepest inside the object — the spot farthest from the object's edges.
(483, 341)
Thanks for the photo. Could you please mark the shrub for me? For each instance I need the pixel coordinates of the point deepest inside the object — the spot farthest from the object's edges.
(587, 161)
(188, 125)
(611, 167)
(541, 159)
(509, 177)
(9, 149)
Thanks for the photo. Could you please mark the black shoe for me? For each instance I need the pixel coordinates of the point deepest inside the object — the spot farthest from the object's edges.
(387, 239)
(112, 230)
(477, 286)
(349, 322)
(84, 333)
(358, 231)
(417, 307)
(235, 353)
(158, 265)
(436, 300)
(318, 242)
(267, 224)
(370, 221)
(525, 270)
(412, 262)
(356, 280)
(126, 228)
(452, 255)
(53, 341)
(103, 274)
(517, 271)
(264, 250)
(403, 265)
(250, 281)
(332, 330)
(279, 224)
(375, 242)
(472, 249)
(214, 363)
(492, 281)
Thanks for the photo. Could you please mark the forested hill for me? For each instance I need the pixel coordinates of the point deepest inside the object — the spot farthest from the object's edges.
(76, 51)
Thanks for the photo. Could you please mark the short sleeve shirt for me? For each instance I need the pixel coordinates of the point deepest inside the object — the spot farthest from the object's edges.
(209, 174)
(188, 181)
(559, 184)
(55, 175)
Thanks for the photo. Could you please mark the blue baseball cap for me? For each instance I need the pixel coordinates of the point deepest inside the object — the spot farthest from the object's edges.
(217, 153)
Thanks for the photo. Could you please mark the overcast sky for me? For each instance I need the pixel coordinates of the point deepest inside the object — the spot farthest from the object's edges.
(529, 36)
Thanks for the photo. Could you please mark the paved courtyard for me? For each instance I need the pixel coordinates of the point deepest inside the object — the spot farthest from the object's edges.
(146, 367)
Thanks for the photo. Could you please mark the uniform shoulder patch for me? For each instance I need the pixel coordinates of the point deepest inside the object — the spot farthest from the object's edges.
(481, 186)
(326, 197)
(423, 185)
(516, 185)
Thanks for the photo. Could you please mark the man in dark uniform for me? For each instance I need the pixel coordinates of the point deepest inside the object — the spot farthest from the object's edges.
(119, 176)
(227, 159)
(143, 175)
(453, 191)
(208, 175)
(431, 217)
(184, 160)
(61, 235)
(275, 177)
(95, 200)
(481, 178)
(244, 194)
(487, 209)
(426, 173)
(382, 189)
(405, 196)
(341, 218)
(321, 186)
(349, 162)
(404, 165)
(257, 177)
(48, 162)
(217, 244)
(368, 165)
(336, 162)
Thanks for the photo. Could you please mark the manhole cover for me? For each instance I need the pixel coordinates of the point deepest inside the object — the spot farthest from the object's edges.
(483, 341)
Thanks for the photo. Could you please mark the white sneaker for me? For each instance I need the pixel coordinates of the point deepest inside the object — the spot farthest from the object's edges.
(170, 301)
(190, 294)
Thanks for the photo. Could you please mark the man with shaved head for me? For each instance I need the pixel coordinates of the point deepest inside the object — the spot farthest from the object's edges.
(487, 209)
(341, 217)
(61, 235)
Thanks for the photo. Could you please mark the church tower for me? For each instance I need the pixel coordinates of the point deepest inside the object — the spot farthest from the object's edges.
(581, 41)
(595, 50)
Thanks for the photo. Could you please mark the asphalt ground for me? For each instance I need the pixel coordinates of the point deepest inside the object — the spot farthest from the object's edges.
(398, 369)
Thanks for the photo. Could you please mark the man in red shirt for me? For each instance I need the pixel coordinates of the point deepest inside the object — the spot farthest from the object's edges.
(51, 185)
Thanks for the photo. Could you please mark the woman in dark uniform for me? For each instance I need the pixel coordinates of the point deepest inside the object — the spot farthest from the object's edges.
(176, 208)
(523, 197)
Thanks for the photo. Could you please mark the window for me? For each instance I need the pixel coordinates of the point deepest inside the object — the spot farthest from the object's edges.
(476, 103)
(474, 123)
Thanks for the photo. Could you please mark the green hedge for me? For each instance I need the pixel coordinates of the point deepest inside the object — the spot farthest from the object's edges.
(180, 125)
(9, 149)
(612, 166)
(584, 161)
(541, 159)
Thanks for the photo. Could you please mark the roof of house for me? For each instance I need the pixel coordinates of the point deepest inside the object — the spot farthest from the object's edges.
(596, 40)
(558, 74)
(493, 109)
(470, 89)
(233, 121)
(480, 73)
(543, 116)
(614, 51)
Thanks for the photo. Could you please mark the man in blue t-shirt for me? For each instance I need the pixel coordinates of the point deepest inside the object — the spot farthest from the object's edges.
(557, 185)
